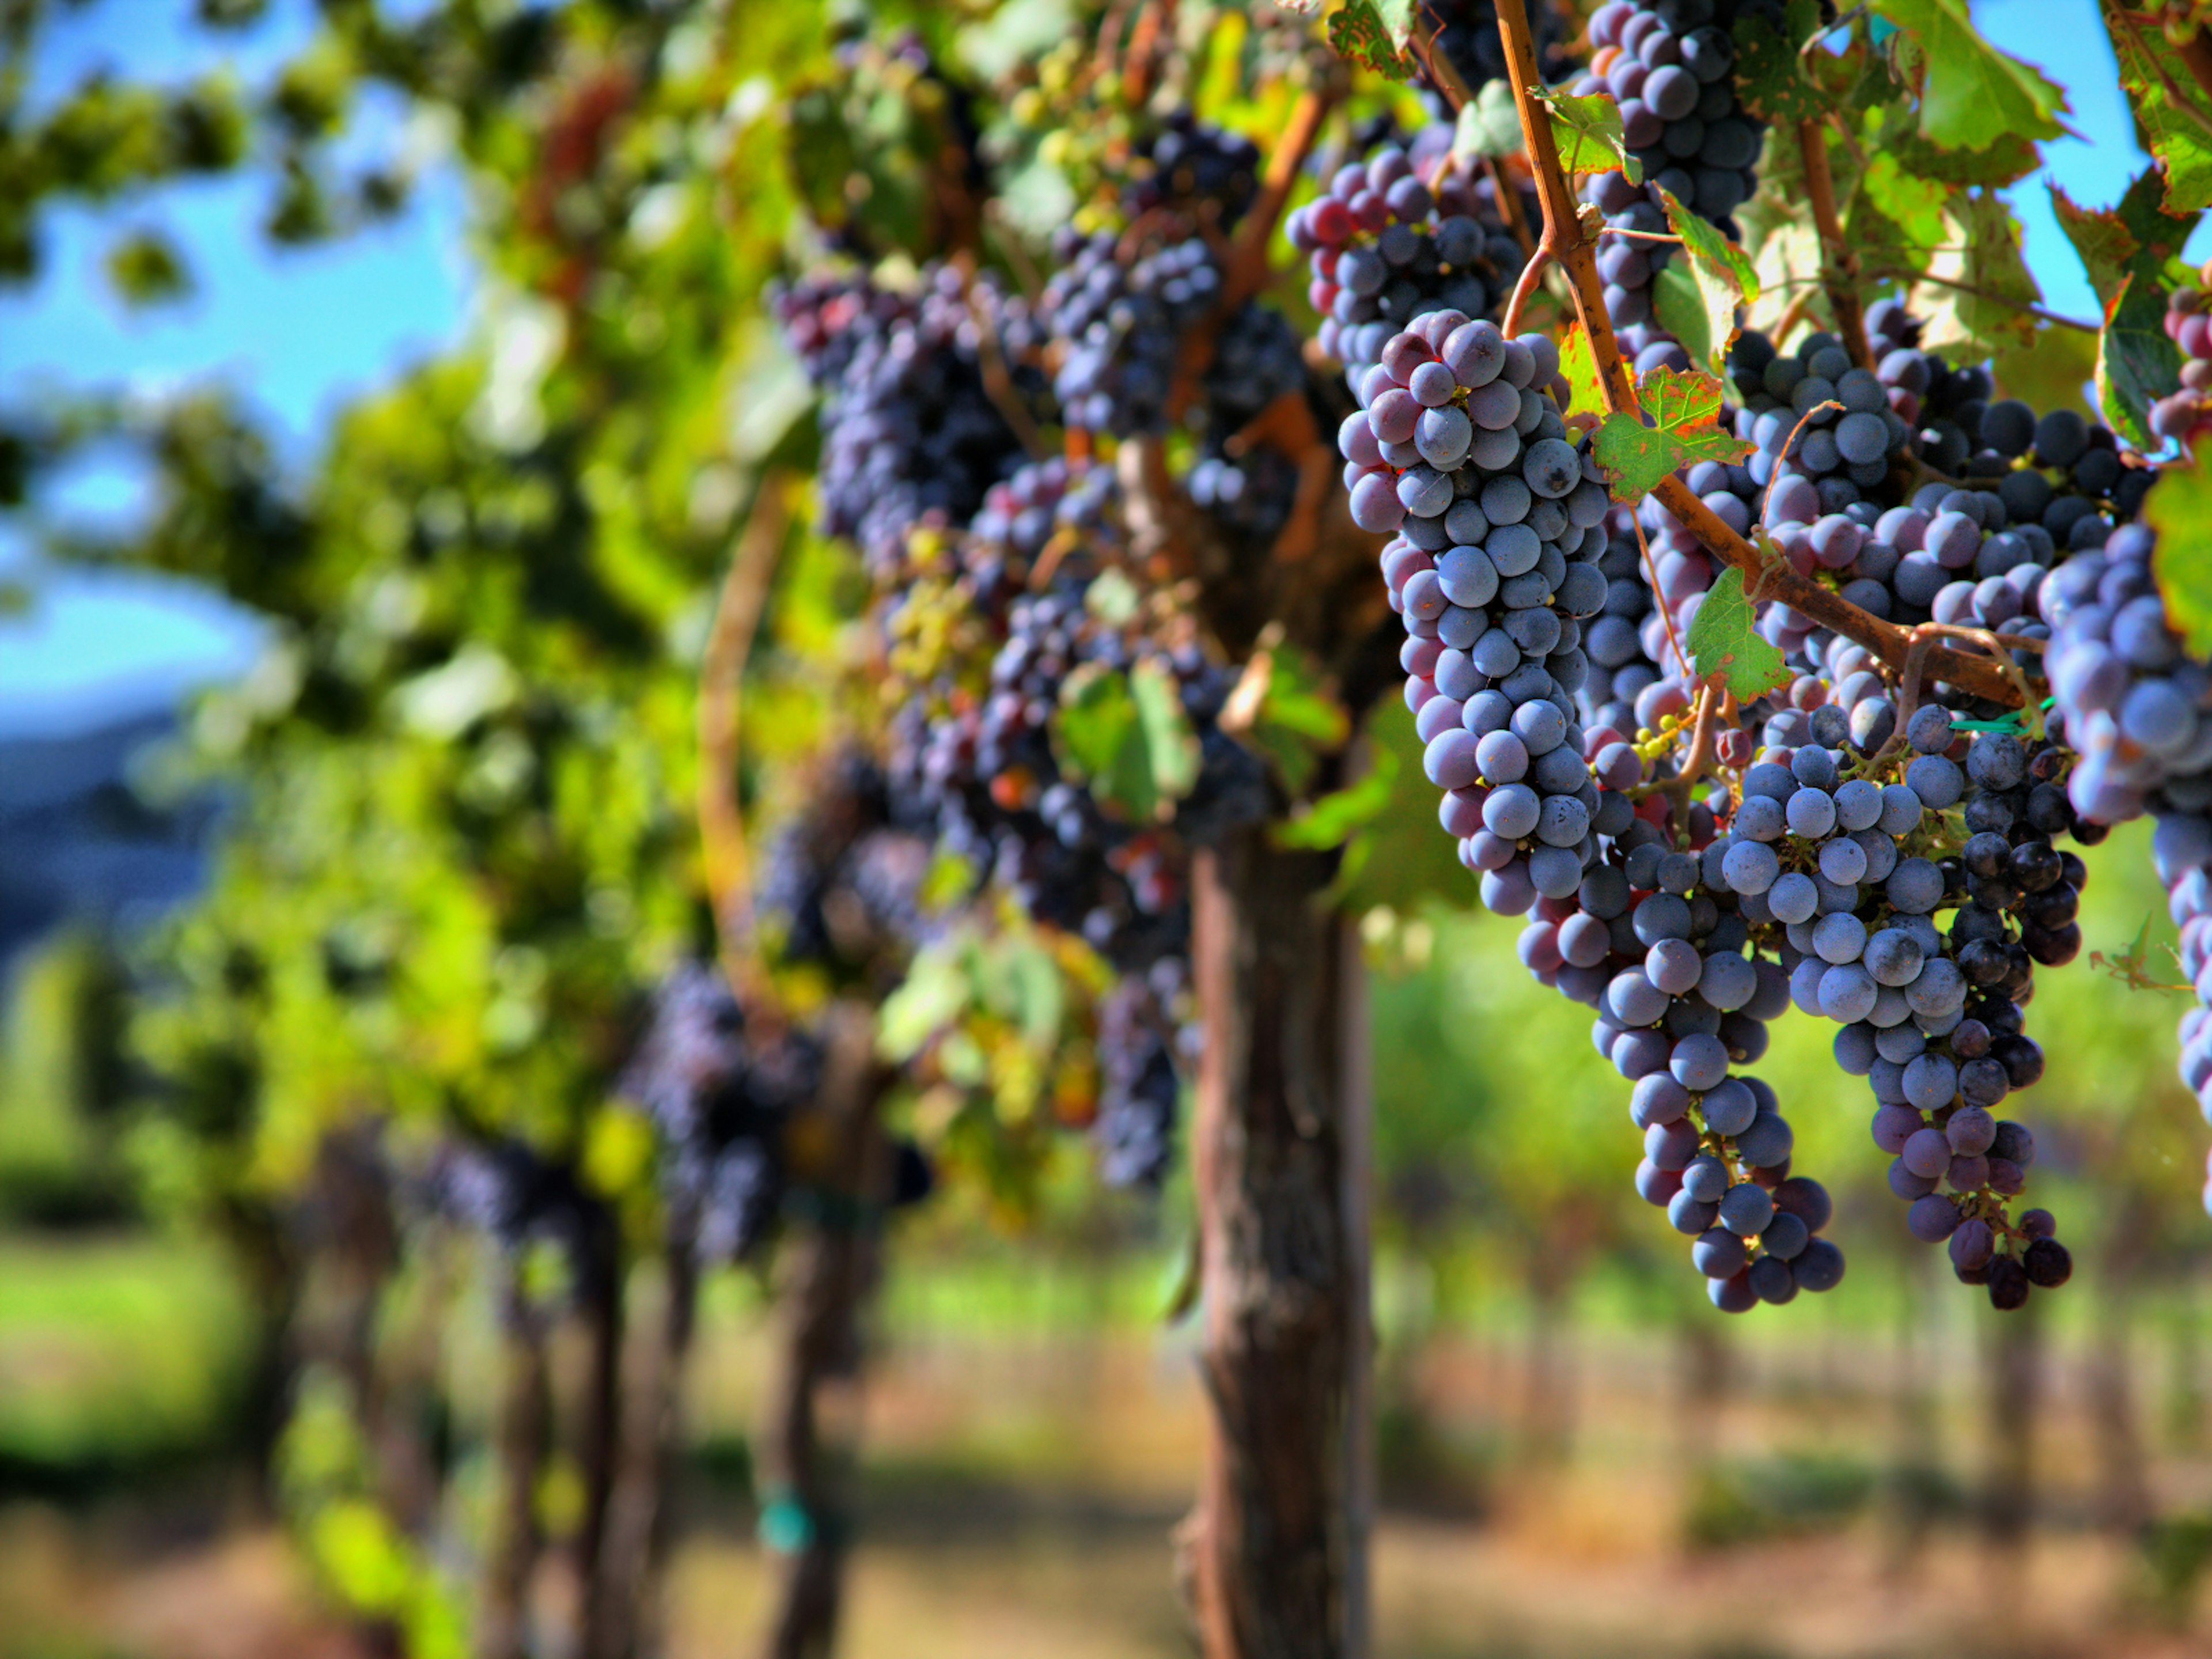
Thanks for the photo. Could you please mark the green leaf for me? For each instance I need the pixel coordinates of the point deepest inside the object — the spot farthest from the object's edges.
(2179, 508)
(1770, 75)
(1588, 132)
(1399, 18)
(1491, 126)
(1971, 93)
(147, 269)
(2010, 159)
(2173, 116)
(1359, 35)
(1699, 290)
(1127, 736)
(1297, 718)
(1335, 818)
(1677, 430)
(2133, 256)
(1113, 599)
(1725, 640)
(936, 992)
(1397, 859)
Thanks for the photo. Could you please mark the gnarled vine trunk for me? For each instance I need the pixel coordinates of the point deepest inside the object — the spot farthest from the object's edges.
(1276, 1556)
(832, 1269)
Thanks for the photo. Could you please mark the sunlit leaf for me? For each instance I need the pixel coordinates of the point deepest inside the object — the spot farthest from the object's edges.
(1725, 640)
(2172, 110)
(1770, 77)
(1359, 35)
(1677, 430)
(1971, 93)
(1588, 132)
(2179, 508)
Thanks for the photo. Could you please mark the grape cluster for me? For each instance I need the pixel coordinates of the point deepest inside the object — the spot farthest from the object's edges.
(1194, 170)
(508, 1191)
(2136, 708)
(1385, 246)
(1139, 1090)
(1671, 67)
(909, 434)
(1931, 1018)
(1118, 323)
(721, 1088)
(1467, 35)
(981, 648)
(1248, 488)
(841, 886)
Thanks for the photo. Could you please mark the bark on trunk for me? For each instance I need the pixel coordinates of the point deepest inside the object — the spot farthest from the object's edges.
(524, 1427)
(806, 1470)
(621, 1618)
(1269, 1549)
(603, 1311)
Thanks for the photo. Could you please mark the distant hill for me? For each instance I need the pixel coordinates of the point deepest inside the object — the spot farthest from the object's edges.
(76, 843)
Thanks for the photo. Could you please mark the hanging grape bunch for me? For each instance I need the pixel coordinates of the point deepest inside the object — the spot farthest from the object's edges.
(1971, 662)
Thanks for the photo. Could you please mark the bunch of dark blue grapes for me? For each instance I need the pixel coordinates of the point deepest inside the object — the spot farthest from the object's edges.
(1248, 489)
(2136, 708)
(721, 1089)
(909, 434)
(1394, 239)
(1671, 66)
(1139, 1079)
(1466, 34)
(1847, 862)
(840, 888)
(1193, 169)
(509, 1191)
(1119, 322)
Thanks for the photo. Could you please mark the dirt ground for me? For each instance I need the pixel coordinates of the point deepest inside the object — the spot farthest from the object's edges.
(1021, 1496)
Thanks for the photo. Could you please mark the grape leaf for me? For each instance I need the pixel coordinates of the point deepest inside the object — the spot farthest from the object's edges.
(2179, 508)
(1971, 93)
(1981, 288)
(2175, 120)
(2132, 253)
(1359, 34)
(1676, 431)
(1709, 279)
(1491, 126)
(1127, 736)
(1589, 135)
(1399, 18)
(1297, 718)
(2010, 159)
(1578, 363)
(1725, 640)
(1336, 818)
(1770, 75)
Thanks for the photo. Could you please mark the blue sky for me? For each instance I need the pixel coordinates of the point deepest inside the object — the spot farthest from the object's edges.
(303, 331)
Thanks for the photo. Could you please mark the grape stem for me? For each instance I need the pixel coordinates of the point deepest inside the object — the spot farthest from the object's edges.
(1567, 240)
(1532, 275)
(1839, 266)
(727, 864)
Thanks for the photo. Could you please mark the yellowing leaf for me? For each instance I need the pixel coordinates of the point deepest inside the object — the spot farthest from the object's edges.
(1711, 278)
(2179, 508)
(1725, 640)
(1589, 134)
(1979, 286)
(1359, 35)
(1677, 430)
(1578, 363)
